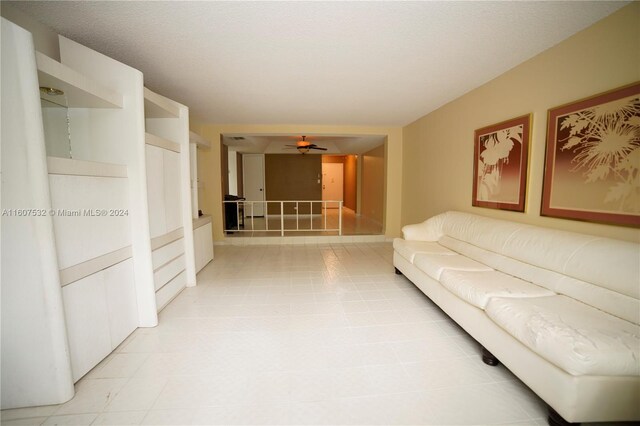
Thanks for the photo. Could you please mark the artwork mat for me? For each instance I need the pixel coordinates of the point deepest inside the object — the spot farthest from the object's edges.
(523, 165)
(576, 213)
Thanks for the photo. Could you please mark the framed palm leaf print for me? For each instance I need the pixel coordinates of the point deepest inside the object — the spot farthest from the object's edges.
(592, 165)
(500, 164)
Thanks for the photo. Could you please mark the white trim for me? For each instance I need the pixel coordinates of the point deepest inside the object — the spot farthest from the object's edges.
(90, 267)
(157, 106)
(151, 139)
(303, 240)
(71, 167)
(168, 238)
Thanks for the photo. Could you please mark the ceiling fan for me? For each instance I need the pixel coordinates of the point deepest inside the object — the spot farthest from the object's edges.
(304, 146)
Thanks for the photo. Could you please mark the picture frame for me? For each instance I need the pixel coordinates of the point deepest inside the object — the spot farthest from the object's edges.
(500, 164)
(592, 160)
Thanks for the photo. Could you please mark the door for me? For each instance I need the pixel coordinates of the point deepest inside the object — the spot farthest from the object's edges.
(253, 182)
(332, 183)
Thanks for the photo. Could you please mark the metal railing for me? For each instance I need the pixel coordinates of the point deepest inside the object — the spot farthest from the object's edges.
(246, 219)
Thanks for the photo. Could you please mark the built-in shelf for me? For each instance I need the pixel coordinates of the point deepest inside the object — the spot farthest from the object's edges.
(68, 166)
(79, 90)
(157, 106)
(198, 140)
(151, 139)
(201, 221)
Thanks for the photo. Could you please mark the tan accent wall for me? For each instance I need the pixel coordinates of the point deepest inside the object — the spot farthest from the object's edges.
(438, 148)
(350, 182)
(372, 183)
(239, 174)
(210, 161)
(349, 187)
(293, 177)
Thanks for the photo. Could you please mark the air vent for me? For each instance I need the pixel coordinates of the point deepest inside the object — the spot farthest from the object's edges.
(237, 138)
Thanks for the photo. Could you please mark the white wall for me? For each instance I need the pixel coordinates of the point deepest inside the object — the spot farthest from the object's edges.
(233, 172)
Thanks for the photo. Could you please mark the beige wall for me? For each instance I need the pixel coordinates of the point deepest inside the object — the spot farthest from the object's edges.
(438, 148)
(372, 181)
(209, 164)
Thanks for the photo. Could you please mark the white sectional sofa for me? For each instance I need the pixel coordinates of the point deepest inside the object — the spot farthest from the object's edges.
(560, 310)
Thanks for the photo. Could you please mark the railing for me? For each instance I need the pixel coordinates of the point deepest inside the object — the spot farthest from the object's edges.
(245, 211)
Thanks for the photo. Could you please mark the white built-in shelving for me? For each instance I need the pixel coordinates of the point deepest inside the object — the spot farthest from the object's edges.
(168, 195)
(112, 242)
(160, 142)
(79, 90)
(157, 106)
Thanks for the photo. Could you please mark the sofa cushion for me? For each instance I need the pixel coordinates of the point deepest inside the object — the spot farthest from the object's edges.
(477, 287)
(620, 305)
(434, 264)
(408, 249)
(575, 337)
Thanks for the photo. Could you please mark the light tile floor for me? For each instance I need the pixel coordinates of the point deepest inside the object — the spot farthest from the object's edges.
(296, 335)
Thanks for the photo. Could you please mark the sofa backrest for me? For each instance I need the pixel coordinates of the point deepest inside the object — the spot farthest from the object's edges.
(601, 272)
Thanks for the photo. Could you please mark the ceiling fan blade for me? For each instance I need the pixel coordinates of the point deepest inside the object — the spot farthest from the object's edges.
(292, 146)
(318, 148)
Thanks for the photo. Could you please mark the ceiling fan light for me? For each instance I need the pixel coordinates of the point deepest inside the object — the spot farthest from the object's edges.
(303, 149)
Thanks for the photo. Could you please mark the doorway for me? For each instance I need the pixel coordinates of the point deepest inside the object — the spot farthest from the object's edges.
(253, 183)
(332, 184)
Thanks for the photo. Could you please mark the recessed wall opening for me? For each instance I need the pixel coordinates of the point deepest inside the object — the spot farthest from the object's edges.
(303, 185)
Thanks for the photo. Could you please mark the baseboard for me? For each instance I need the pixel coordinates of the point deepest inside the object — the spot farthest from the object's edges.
(301, 240)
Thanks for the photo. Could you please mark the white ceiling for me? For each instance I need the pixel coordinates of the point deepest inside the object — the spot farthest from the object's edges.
(277, 144)
(335, 63)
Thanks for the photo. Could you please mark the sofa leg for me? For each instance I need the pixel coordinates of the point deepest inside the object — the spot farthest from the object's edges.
(488, 358)
(398, 271)
(555, 419)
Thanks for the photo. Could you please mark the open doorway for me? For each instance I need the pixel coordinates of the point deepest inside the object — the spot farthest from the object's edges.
(349, 178)
(337, 183)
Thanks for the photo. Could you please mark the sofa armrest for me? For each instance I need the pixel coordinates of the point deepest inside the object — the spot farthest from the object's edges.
(429, 230)
(416, 232)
